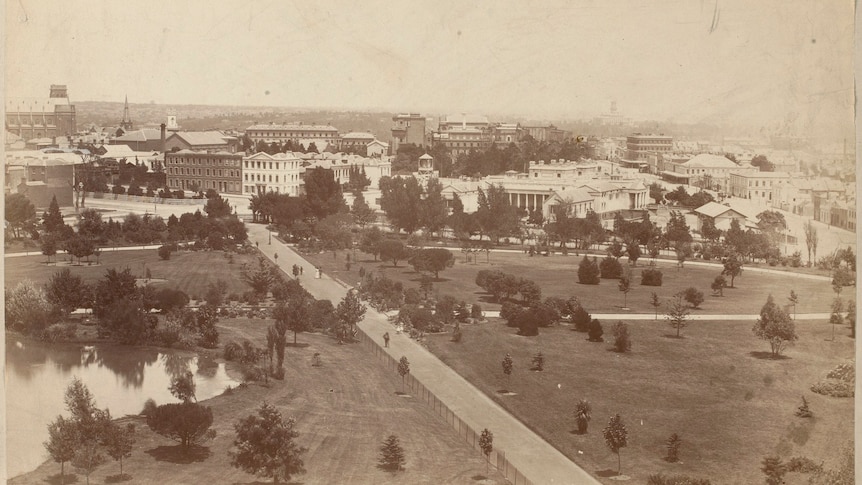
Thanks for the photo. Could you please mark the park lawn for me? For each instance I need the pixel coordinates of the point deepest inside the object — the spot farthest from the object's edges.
(557, 275)
(189, 271)
(714, 387)
(344, 409)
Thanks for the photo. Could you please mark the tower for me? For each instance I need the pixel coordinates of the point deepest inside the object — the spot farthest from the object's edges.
(126, 124)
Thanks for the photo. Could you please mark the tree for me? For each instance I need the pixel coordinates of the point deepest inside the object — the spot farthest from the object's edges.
(403, 369)
(52, 219)
(732, 267)
(217, 207)
(432, 208)
(400, 200)
(391, 455)
(851, 317)
(835, 318)
(433, 260)
(774, 469)
(811, 239)
(293, 316)
(362, 213)
(183, 387)
(775, 326)
(693, 296)
(62, 442)
(588, 271)
(265, 445)
(507, 366)
(20, 214)
(677, 314)
(718, 285)
(677, 231)
(114, 286)
(595, 331)
(622, 339)
(625, 287)
(350, 310)
(616, 437)
(486, 444)
(495, 215)
(27, 309)
(187, 423)
(392, 250)
(673, 443)
(67, 291)
(118, 442)
(583, 414)
(804, 411)
(708, 229)
(323, 194)
(261, 277)
(655, 302)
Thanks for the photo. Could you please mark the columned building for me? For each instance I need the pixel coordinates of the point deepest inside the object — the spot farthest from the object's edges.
(279, 173)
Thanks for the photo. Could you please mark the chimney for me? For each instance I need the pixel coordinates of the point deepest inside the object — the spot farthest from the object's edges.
(162, 126)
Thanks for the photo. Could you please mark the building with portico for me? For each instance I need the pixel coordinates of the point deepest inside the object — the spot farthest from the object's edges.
(280, 173)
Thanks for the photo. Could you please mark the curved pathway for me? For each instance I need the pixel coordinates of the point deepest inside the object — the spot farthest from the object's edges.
(534, 457)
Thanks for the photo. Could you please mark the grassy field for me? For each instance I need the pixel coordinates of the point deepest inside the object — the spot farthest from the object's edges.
(188, 271)
(557, 276)
(730, 405)
(344, 409)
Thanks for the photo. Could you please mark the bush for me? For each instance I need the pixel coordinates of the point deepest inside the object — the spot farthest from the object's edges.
(661, 479)
(622, 339)
(169, 334)
(476, 311)
(186, 423)
(233, 351)
(611, 268)
(149, 407)
(834, 388)
(59, 332)
(581, 319)
(596, 331)
(526, 323)
(693, 296)
(800, 464)
(651, 277)
(118, 189)
(165, 252)
(509, 311)
(588, 272)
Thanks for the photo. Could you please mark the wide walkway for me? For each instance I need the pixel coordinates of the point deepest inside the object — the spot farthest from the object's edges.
(540, 462)
(692, 316)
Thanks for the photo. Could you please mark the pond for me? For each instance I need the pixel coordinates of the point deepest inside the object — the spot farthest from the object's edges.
(120, 379)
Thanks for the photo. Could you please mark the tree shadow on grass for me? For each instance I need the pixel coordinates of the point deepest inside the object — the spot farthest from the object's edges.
(178, 454)
(57, 479)
(118, 478)
(767, 355)
(298, 345)
(673, 336)
(606, 473)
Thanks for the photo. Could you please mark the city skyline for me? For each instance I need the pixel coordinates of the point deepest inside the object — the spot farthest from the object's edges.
(716, 62)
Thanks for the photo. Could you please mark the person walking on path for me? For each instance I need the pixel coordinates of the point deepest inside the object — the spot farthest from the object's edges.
(386, 339)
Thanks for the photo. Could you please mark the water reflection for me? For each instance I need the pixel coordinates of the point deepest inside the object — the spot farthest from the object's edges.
(120, 378)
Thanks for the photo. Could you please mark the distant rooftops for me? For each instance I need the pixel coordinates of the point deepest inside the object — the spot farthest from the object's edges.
(292, 127)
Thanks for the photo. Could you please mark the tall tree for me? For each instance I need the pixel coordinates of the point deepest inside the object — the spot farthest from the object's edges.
(20, 214)
(775, 326)
(811, 239)
(52, 219)
(118, 442)
(496, 217)
(403, 369)
(67, 291)
(62, 443)
(433, 260)
(350, 310)
(265, 445)
(217, 207)
(400, 200)
(486, 444)
(432, 208)
(732, 267)
(616, 437)
(362, 213)
(323, 194)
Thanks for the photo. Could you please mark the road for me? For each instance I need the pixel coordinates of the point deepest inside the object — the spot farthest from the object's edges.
(524, 449)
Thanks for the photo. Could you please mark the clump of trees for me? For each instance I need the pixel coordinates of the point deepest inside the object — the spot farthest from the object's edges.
(775, 326)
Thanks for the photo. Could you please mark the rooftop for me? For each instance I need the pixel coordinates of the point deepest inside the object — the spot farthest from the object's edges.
(292, 127)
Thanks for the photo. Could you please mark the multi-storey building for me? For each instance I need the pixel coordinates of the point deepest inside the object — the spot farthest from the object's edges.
(280, 173)
(341, 163)
(639, 147)
(563, 169)
(42, 117)
(355, 142)
(409, 128)
(705, 170)
(506, 133)
(547, 133)
(201, 170)
(294, 132)
(758, 186)
(42, 178)
(201, 140)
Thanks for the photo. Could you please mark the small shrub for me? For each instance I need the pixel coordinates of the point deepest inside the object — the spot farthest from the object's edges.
(596, 332)
(476, 311)
(254, 374)
(834, 388)
(456, 334)
(227, 391)
(165, 252)
(510, 311)
(693, 296)
(801, 464)
(803, 411)
(673, 443)
(539, 362)
(233, 351)
(59, 332)
(622, 339)
(581, 319)
(774, 469)
(611, 268)
(149, 407)
(588, 272)
(661, 479)
(651, 277)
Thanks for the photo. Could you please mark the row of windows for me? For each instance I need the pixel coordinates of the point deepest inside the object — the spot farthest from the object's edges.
(263, 165)
(219, 185)
(256, 177)
(293, 134)
(201, 161)
(262, 189)
(201, 172)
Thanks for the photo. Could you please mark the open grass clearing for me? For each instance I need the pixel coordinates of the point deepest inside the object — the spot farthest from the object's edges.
(189, 271)
(558, 276)
(344, 410)
(729, 404)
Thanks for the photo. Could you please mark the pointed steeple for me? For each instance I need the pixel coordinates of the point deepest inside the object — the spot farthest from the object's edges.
(126, 124)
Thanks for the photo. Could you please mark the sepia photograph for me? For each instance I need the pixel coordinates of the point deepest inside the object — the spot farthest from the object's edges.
(429, 242)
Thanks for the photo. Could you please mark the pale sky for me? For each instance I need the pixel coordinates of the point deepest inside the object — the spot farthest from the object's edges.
(689, 60)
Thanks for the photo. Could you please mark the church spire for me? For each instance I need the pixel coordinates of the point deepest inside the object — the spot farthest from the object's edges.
(126, 124)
